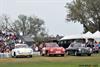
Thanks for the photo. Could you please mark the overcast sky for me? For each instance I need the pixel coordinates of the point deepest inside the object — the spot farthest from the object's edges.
(52, 12)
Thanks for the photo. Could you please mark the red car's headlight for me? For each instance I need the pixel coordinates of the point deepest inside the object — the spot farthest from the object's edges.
(63, 49)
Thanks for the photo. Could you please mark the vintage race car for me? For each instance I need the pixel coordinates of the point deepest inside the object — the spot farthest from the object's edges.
(22, 50)
(78, 49)
(52, 49)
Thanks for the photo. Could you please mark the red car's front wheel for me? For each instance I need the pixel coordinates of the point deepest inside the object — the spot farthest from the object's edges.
(62, 54)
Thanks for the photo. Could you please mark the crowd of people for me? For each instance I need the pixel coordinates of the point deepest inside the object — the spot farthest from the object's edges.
(7, 40)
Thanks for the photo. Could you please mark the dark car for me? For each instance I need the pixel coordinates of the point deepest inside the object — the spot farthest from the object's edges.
(78, 49)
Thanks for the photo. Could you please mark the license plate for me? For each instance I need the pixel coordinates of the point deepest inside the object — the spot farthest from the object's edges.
(83, 51)
(58, 51)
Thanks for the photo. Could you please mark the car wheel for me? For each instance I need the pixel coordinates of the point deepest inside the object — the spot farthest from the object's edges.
(97, 51)
(50, 55)
(89, 54)
(14, 55)
(30, 56)
(62, 55)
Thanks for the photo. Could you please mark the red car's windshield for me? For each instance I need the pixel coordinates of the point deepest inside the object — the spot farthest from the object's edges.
(51, 45)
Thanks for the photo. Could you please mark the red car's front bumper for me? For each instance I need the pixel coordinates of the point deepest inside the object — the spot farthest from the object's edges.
(56, 52)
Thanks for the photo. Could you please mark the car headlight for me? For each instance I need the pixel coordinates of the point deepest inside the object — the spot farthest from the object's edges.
(63, 49)
(90, 50)
(79, 49)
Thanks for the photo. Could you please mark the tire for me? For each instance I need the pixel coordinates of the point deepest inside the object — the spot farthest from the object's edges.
(15, 55)
(30, 56)
(62, 55)
(79, 54)
(89, 54)
(97, 51)
(50, 55)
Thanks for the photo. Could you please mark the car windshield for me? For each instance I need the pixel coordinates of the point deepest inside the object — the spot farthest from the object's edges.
(51, 45)
(77, 45)
(21, 46)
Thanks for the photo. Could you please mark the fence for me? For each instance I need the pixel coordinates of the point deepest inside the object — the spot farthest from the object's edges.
(36, 53)
(5, 55)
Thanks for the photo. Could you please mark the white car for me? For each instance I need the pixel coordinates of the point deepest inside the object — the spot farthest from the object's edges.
(22, 50)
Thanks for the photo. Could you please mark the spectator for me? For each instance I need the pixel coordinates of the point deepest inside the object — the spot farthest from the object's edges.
(98, 44)
(7, 41)
(36, 48)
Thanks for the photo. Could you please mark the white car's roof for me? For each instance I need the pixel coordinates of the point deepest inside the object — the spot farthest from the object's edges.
(19, 44)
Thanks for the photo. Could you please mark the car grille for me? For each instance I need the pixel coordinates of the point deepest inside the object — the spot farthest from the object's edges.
(25, 53)
(84, 51)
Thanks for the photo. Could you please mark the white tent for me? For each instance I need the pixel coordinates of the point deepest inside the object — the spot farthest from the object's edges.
(77, 36)
(87, 35)
(96, 34)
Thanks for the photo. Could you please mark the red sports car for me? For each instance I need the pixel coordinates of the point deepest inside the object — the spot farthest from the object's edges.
(52, 49)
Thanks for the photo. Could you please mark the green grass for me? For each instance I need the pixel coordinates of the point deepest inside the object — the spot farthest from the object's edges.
(67, 61)
(43, 64)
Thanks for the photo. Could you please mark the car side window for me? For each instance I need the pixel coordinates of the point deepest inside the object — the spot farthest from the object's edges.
(71, 45)
(64, 42)
(61, 42)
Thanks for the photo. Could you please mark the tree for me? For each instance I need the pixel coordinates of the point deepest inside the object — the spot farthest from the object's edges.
(36, 25)
(5, 23)
(32, 26)
(36, 28)
(86, 12)
(20, 25)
